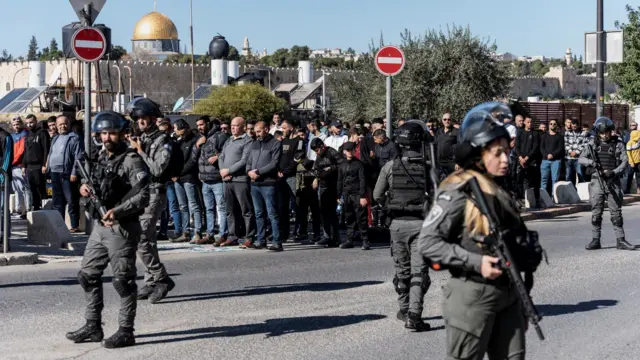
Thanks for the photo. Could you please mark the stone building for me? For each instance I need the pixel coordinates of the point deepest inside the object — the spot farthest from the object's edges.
(559, 82)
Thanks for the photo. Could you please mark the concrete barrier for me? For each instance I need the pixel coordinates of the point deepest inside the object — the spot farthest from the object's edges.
(583, 191)
(545, 199)
(46, 227)
(565, 193)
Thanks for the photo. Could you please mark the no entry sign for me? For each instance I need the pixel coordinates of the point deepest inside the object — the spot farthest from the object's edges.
(89, 44)
(390, 60)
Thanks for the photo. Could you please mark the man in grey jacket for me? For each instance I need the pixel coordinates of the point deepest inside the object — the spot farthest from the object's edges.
(66, 147)
(262, 168)
(233, 161)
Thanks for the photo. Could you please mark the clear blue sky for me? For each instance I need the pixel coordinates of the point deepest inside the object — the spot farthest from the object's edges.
(543, 27)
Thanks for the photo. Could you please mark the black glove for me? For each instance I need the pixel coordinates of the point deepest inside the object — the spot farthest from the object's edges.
(608, 174)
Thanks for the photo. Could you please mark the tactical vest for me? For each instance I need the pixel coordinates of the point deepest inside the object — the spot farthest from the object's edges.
(607, 155)
(407, 193)
(113, 187)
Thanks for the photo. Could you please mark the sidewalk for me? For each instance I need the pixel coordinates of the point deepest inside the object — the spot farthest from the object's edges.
(23, 253)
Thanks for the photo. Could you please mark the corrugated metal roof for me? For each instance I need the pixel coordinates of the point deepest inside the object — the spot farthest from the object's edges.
(289, 87)
(303, 92)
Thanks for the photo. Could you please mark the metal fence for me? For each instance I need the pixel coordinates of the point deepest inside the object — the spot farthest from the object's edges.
(584, 113)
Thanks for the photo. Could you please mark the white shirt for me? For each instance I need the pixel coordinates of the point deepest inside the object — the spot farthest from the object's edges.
(335, 141)
(311, 155)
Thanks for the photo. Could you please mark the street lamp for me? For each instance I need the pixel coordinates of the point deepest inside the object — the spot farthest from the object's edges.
(130, 82)
(324, 95)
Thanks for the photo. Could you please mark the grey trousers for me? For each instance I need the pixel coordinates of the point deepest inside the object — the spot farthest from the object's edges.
(239, 194)
(614, 200)
(148, 245)
(412, 273)
(115, 245)
(482, 319)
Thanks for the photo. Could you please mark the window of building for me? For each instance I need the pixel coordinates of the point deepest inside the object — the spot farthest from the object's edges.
(8, 87)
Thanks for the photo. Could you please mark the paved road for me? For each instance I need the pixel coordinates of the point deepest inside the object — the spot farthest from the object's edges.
(308, 303)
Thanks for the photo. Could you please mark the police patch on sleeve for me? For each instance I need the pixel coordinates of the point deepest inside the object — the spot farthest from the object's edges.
(167, 146)
(434, 214)
(141, 175)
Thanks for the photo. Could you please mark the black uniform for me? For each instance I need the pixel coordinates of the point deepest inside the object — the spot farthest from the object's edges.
(352, 185)
(121, 181)
(326, 167)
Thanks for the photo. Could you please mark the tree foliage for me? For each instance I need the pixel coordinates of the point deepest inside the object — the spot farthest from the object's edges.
(32, 54)
(444, 72)
(117, 52)
(6, 56)
(627, 74)
(251, 101)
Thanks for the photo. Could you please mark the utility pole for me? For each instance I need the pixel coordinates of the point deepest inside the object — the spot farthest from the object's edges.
(87, 96)
(193, 74)
(600, 61)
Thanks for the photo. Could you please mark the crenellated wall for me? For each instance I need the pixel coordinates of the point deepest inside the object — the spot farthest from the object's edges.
(559, 82)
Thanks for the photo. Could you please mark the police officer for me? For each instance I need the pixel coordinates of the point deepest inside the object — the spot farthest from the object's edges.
(481, 311)
(612, 156)
(120, 180)
(404, 179)
(154, 147)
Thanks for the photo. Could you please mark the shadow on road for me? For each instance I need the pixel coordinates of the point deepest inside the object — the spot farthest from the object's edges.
(271, 328)
(563, 309)
(270, 289)
(64, 281)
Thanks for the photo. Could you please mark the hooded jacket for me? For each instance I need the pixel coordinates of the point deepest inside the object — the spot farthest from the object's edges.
(190, 154)
(633, 148)
(37, 146)
(207, 172)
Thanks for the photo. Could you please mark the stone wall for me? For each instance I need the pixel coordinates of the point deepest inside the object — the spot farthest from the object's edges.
(559, 82)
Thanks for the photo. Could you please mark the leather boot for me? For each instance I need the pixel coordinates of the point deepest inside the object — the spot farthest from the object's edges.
(366, 245)
(122, 338)
(594, 245)
(91, 331)
(415, 323)
(622, 244)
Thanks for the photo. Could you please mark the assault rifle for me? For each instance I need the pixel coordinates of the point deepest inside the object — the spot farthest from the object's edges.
(93, 198)
(497, 245)
(598, 166)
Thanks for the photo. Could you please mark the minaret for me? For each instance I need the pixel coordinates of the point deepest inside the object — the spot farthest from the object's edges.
(568, 58)
(246, 50)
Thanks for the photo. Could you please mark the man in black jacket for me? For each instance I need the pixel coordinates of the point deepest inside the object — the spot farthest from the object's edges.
(291, 146)
(552, 150)
(326, 167)
(528, 152)
(209, 149)
(34, 161)
(352, 186)
(186, 185)
(446, 140)
(262, 168)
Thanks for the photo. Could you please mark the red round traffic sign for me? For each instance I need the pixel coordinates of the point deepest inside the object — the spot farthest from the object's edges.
(390, 60)
(89, 44)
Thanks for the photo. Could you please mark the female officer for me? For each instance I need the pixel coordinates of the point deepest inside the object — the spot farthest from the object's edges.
(480, 309)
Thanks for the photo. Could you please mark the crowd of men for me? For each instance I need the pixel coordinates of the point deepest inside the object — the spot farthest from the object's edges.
(242, 182)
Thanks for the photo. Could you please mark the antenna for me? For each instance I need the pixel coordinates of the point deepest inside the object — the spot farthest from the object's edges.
(155, 3)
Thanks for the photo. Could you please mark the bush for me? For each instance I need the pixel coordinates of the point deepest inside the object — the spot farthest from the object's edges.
(251, 101)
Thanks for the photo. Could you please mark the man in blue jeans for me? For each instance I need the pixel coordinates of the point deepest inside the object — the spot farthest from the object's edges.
(186, 185)
(209, 148)
(65, 149)
(552, 150)
(262, 168)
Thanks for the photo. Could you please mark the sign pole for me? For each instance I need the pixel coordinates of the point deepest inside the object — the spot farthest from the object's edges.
(389, 61)
(388, 121)
(600, 61)
(87, 99)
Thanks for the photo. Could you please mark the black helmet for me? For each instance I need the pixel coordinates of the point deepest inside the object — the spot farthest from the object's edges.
(140, 107)
(412, 133)
(482, 125)
(603, 124)
(316, 143)
(109, 121)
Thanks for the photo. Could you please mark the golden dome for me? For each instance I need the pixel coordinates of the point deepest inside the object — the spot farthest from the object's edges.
(155, 26)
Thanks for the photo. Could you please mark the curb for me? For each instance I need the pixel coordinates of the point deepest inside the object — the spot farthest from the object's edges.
(18, 258)
(569, 209)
